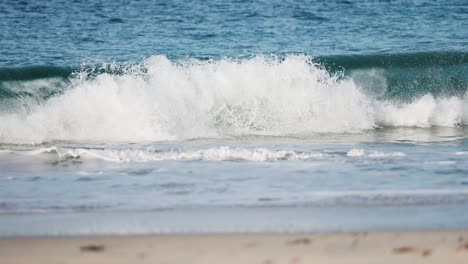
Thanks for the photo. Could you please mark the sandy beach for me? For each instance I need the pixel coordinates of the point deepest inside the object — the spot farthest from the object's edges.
(391, 247)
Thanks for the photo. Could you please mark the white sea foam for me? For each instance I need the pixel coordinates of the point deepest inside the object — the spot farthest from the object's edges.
(424, 112)
(192, 99)
(356, 153)
(373, 154)
(222, 153)
(379, 154)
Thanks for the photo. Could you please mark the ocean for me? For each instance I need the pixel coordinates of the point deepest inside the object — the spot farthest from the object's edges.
(232, 116)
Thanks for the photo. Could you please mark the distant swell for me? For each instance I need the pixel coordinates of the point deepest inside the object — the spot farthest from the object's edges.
(159, 100)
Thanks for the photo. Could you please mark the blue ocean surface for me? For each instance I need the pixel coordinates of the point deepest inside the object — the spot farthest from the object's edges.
(232, 116)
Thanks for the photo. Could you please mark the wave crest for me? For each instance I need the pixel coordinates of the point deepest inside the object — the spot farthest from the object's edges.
(164, 100)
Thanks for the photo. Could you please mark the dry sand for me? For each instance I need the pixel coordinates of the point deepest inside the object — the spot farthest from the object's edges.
(404, 247)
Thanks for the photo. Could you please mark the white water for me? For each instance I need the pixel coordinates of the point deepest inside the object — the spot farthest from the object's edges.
(374, 154)
(222, 153)
(193, 99)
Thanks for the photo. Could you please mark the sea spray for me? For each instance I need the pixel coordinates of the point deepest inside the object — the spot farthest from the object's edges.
(160, 100)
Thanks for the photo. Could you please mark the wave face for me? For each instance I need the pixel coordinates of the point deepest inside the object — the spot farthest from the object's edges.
(159, 100)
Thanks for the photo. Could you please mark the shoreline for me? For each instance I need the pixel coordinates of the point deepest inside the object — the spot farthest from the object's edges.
(239, 220)
(346, 247)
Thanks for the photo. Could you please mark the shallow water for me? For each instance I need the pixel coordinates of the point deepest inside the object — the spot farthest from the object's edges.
(259, 176)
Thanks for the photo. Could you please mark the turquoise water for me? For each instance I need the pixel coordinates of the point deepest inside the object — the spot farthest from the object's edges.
(132, 118)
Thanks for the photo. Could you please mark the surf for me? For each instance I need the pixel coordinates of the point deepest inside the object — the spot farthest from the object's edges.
(160, 99)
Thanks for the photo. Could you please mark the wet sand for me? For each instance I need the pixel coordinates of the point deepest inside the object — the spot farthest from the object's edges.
(386, 247)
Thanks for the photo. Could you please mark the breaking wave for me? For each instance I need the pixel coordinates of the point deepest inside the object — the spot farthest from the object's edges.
(161, 100)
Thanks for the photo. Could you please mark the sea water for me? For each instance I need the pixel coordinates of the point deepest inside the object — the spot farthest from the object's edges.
(232, 116)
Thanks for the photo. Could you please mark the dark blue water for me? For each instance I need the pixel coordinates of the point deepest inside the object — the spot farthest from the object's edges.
(67, 33)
